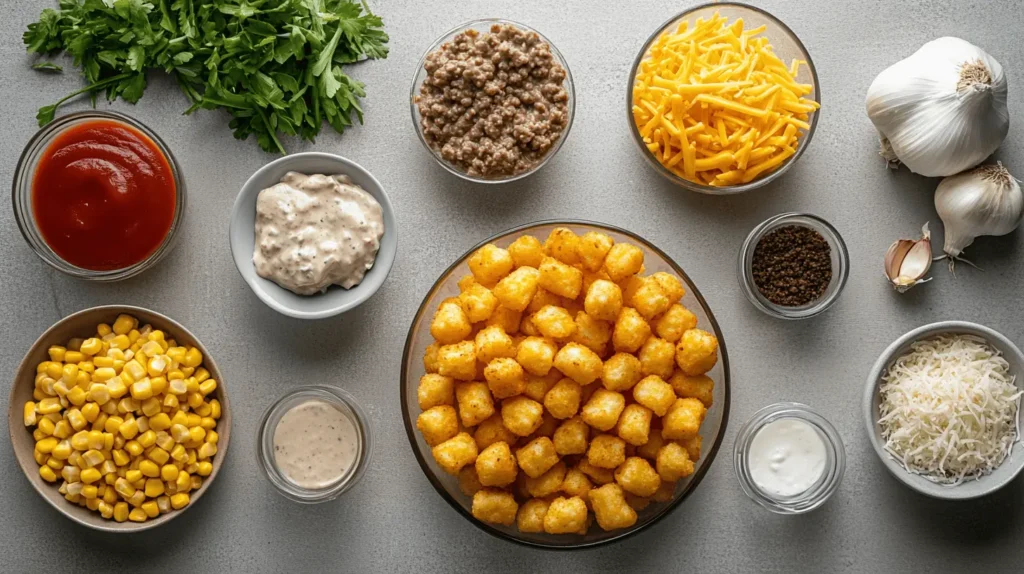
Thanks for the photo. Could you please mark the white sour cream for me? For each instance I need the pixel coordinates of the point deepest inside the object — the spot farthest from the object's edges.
(786, 457)
(315, 444)
(314, 231)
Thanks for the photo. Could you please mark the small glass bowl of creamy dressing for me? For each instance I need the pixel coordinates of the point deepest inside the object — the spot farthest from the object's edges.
(314, 443)
(789, 459)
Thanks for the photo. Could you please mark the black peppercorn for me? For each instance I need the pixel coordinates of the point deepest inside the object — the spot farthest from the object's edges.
(792, 265)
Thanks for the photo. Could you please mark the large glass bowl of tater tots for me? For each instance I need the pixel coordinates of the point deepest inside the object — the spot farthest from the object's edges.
(564, 385)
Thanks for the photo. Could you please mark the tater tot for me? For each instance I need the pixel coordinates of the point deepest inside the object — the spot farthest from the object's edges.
(496, 466)
(606, 451)
(450, 324)
(673, 462)
(654, 393)
(563, 400)
(435, 390)
(593, 247)
(561, 279)
(522, 415)
(576, 483)
(531, 515)
(603, 409)
(623, 260)
(692, 446)
(610, 507)
(595, 473)
(475, 403)
(589, 277)
(489, 264)
(517, 289)
(548, 483)
(430, 364)
(457, 361)
(537, 456)
(493, 343)
(505, 378)
(455, 453)
(571, 437)
(603, 300)
(438, 424)
(465, 282)
(650, 299)
(670, 284)
(657, 357)
(578, 363)
(491, 431)
(478, 302)
(631, 331)
(537, 387)
(696, 352)
(469, 483)
(593, 333)
(674, 322)
(542, 299)
(548, 426)
(637, 476)
(507, 319)
(536, 355)
(563, 245)
(683, 419)
(495, 506)
(621, 372)
(526, 251)
(566, 516)
(700, 387)
(554, 322)
(634, 424)
(649, 449)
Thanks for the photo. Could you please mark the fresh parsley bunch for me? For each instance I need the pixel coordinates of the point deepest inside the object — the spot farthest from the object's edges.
(275, 65)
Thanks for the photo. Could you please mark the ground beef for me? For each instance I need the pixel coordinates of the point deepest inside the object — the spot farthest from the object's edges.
(493, 104)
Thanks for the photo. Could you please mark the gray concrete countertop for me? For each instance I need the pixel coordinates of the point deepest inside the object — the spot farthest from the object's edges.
(393, 521)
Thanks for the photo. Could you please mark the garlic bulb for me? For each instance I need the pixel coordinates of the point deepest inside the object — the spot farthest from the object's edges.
(942, 110)
(983, 201)
(908, 261)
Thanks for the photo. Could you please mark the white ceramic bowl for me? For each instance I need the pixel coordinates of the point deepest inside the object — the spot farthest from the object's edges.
(242, 234)
(999, 478)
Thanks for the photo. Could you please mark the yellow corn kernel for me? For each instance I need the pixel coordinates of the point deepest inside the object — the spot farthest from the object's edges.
(121, 511)
(163, 503)
(142, 390)
(159, 422)
(119, 441)
(47, 445)
(164, 440)
(110, 496)
(71, 473)
(175, 375)
(96, 441)
(55, 463)
(30, 413)
(84, 380)
(120, 342)
(104, 374)
(123, 324)
(105, 509)
(90, 411)
(205, 468)
(124, 487)
(135, 368)
(195, 399)
(158, 455)
(103, 329)
(56, 353)
(60, 388)
(151, 406)
(187, 371)
(73, 356)
(133, 448)
(99, 393)
(54, 370)
(178, 453)
(134, 335)
(108, 441)
(191, 385)
(38, 395)
(40, 457)
(48, 405)
(154, 488)
(171, 402)
(47, 474)
(129, 429)
(62, 451)
(86, 366)
(108, 466)
(116, 387)
(203, 410)
(179, 418)
(91, 346)
(46, 425)
(195, 483)
(191, 456)
(80, 440)
(127, 405)
(139, 497)
(76, 396)
(183, 481)
(207, 450)
(38, 435)
(137, 515)
(180, 433)
(192, 420)
(92, 458)
(100, 423)
(207, 386)
(179, 500)
(92, 503)
(193, 357)
(169, 472)
(90, 475)
(152, 348)
(104, 363)
(177, 386)
(147, 439)
(133, 476)
(149, 469)
(69, 374)
(212, 436)
(156, 335)
(174, 353)
(198, 434)
(150, 508)
(113, 423)
(62, 429)
(120, 457)
(89, 491)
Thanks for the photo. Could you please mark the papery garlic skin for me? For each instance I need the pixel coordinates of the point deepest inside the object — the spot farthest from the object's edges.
(983, 201)
(943, 109)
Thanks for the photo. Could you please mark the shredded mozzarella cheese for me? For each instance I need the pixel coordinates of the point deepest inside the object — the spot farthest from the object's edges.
(949, 409)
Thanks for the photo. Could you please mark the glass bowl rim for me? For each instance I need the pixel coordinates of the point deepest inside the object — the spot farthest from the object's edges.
(636, 528)
(732, 189)
(415, 112)
(40, 141)
(326, 393)
(831, 235)
(809, 415)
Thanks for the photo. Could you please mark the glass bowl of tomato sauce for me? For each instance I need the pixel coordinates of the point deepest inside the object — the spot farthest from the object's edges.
(98, 196)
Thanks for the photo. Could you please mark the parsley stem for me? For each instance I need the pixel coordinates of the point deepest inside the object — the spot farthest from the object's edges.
(95, 87)
(271, 130)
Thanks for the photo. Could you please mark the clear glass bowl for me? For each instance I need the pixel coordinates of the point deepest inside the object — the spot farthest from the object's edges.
(348, 406)
(22, 196)
(712, 431)
(827, 484)
(787, 46)
(840, 266)
(483, 26)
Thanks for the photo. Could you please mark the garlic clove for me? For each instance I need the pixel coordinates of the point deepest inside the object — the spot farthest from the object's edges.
(908, 261)
(917, 262)
(894, 257)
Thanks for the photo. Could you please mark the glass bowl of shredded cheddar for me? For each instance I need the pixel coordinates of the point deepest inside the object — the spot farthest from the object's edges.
(723, 98)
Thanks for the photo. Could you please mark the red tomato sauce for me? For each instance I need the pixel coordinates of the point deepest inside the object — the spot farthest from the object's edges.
(103, 195)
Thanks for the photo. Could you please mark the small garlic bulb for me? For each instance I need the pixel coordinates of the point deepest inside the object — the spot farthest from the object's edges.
(983, 201)
(942, 110)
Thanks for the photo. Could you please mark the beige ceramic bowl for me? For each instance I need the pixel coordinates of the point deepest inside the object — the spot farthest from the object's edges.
(83, 324)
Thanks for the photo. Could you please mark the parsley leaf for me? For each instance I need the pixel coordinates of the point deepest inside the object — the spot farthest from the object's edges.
(277, 67)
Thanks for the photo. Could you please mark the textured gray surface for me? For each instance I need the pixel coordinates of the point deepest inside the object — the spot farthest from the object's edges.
(393, 520)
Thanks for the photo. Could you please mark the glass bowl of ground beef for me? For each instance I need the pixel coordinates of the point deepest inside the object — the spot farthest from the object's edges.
(492, 100)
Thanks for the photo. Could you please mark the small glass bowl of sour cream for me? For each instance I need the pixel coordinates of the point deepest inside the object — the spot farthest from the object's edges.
(789, 459)
(314, 443)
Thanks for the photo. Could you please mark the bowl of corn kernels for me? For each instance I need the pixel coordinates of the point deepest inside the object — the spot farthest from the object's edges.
(119, 418)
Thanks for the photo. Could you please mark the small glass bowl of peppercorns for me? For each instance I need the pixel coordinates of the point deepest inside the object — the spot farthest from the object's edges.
(793, 266)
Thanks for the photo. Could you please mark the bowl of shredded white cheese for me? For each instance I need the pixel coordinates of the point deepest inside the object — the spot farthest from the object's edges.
(942, 407)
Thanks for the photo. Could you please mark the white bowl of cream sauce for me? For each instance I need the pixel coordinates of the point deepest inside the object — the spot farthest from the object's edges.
(313, 235)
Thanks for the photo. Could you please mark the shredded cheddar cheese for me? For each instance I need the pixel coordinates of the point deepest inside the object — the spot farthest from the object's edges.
(716, 106)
